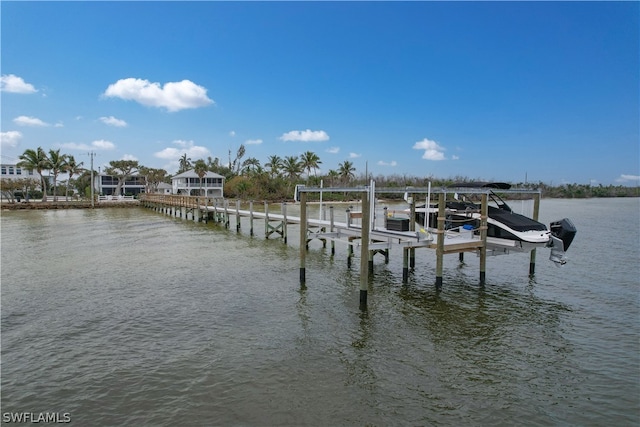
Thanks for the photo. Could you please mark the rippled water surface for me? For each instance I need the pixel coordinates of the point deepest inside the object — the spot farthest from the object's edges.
(131, 317)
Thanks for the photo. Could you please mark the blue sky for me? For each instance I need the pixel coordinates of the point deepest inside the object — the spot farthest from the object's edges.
(487, 90)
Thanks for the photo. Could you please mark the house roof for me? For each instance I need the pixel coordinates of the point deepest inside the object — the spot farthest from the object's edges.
(164, 185)
(192, 174)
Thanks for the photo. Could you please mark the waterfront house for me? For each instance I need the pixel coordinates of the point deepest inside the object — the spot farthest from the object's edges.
(10, 171)
(164, 188)
(188, 183)
(106, 185)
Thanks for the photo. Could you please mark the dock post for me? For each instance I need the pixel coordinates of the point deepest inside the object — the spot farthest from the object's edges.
(412, 227)
(251, 218)
(238, 215)
(196, 211)
(284, 224)
(461, 257)
(440, 243)
(303, 237)
(405, 264)
(226, 214)
(536, 211)
(266, 220)
(484, 213)
(364, 251)
(331, 229)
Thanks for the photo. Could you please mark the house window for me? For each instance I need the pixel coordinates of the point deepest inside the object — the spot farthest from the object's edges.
(18, 171)
(30, 172)
(10, 170)
(4, 170)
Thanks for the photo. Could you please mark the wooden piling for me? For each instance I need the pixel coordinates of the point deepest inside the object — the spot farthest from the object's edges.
(536, 211)
(405, 264)
(303, 237)
(251, 218)
(484, 214)
(364, 251)
(332, 229)
(412, 227)
(440, 243)
(238, 215)
(284, 224)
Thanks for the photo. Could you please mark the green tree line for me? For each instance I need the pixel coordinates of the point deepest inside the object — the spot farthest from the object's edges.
(248, 179)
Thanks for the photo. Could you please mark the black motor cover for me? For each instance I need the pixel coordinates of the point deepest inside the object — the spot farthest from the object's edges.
(564, 230)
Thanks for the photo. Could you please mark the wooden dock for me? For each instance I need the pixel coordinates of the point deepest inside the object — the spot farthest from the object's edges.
(358, 230)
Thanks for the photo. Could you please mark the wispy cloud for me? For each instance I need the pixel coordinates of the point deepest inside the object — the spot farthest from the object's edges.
(354, 155)
(305, 135)
(29, 121)
(14, 84)
(232, 133)
(174, 96)
(628, 178)
(10, 139)
(184, 147)
(129, 157)
(391, 163)
(432, 150)
(99, 144)
(253, 141)
(333, 150)
(112, 121)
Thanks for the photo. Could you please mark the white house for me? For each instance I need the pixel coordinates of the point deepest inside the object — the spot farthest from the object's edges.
(8, 171)
(164, 188)
(188, 183)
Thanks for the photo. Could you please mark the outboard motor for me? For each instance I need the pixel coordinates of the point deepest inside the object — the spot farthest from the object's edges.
(562, 234)
(563, 230)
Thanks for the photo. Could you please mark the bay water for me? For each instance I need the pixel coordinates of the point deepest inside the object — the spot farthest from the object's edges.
(131, 317)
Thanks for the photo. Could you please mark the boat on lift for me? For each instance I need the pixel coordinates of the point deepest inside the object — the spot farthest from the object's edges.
(506, 230)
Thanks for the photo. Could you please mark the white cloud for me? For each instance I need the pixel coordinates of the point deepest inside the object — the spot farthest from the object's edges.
(253, 141)
(29, 121)
(58, 125)
(232, 133)
(100, 144)
(628, 178)
(454, 157)
(333, 150)
(14, 84)
(112, 121)
(193, 151)
(305, 135)
(354, 155)
(391, 163)
(174, 96)
(129, 157)
(432, 150)
(10, 139)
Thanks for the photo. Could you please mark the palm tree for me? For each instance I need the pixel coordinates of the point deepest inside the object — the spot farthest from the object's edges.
(251, 165)
(36, 160)
(310, 160)
(72, 168)
(332, 175)
(185, 163)
(292, 167)
(275, 164)
(346, 171)
(200, 168)
(57, 164)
